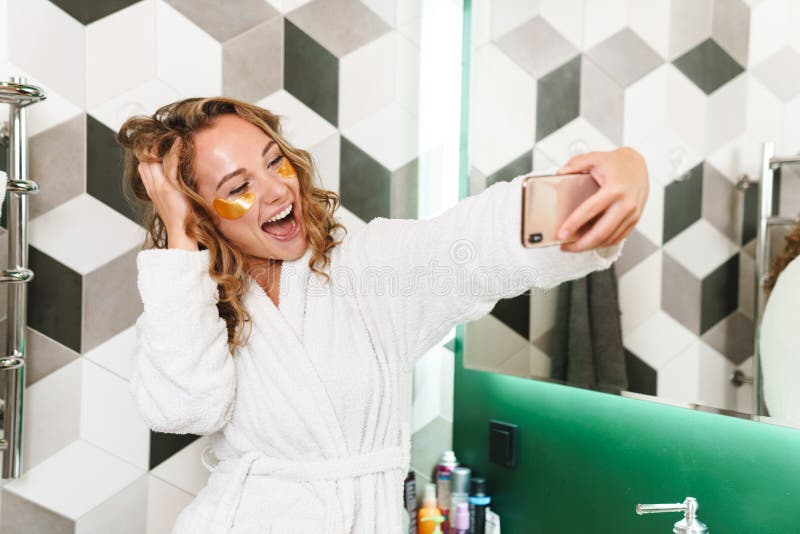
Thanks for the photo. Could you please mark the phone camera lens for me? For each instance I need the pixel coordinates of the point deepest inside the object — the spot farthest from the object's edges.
(534, 238)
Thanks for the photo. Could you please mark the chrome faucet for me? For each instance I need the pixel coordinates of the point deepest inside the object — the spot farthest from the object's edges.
(688, 525)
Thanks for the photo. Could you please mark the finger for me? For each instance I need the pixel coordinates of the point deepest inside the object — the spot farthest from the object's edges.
(585, 212)
(599, 231)
(621, 231)
(580, 163)
(626, 231)
(171, 162)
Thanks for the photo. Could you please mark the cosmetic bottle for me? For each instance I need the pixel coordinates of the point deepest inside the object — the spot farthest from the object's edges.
(460, 523)
(459, 489)
(443, 470)
(428, 509)
(410, 500)
(478, 501)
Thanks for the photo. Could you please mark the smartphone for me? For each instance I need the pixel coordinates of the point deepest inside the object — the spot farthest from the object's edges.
(547, 201)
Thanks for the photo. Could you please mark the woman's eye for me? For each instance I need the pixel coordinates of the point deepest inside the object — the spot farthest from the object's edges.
(240, 188)
(276, 160)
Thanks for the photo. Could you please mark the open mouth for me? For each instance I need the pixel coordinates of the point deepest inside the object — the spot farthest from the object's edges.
(283, 228)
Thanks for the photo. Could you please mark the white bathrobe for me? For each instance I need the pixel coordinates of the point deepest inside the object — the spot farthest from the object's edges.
(310, 420)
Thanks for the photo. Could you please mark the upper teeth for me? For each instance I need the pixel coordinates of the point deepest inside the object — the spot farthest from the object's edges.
(282, 214)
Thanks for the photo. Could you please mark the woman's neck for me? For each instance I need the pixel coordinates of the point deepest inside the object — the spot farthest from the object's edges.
(267, 273)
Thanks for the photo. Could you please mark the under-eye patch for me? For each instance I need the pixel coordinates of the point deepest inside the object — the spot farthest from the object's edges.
(233, 209)
(286, 169)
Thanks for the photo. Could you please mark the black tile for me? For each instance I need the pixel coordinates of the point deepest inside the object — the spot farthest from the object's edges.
(515, 313)
(521, 165)
(163, 445)
(311, 73)
(88, 11)
(558, 98)
(55, 299)
(708, 66)
(105, 165)
(683, 203)
(4, 168)
(641, 377)
(365, 184)
(750, 217)
(720, 294)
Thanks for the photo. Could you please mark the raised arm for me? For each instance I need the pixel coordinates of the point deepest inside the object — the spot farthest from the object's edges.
(456, 266)
(183, 378)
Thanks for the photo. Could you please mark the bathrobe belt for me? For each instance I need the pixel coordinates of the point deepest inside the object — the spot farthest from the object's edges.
(254, 463)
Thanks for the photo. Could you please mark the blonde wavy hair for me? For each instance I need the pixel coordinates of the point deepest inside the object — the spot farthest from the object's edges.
(149, 138)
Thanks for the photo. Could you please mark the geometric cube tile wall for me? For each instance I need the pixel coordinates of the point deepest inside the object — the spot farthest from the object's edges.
(696, 87)
(347, 77)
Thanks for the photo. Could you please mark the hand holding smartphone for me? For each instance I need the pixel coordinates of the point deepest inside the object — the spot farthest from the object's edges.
(547, 201)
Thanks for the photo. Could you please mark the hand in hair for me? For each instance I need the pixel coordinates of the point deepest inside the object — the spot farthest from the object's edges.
(160, 179)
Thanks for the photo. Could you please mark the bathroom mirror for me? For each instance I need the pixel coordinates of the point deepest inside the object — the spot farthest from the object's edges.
(543, 89)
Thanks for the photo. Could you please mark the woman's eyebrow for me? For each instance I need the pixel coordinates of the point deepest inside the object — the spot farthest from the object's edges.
(240, 170)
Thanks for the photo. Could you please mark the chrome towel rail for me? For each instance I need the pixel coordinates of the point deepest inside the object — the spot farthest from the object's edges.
(18, 95)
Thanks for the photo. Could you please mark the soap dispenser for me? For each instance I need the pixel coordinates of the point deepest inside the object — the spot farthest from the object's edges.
(688, 525)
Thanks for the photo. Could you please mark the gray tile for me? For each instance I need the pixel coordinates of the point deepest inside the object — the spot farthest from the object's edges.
(55, 297)
(43, 355)
(789, 191)
(731, 28)
(341, 26)
(750, 215)
(88, 11)
(558, 98)
(428, 443)
(365, 185)
(520, 165)
(515, 313)
(637, 248)
(747, 283)
(57, 159)
(130, 503)
(733, 337)
(779, 73)
(537, 47)
(222, 20)
(680, 293)
(720, 294)
(477, 181)
(723, 204)
(602, 101)
(625, 57)
(404, 196)
(641, 377)
(690, 23)
(708, 66)
(21, 516)
(683, 203)
(105, 166)
(303, 55)
(111, 300)
(252, 63)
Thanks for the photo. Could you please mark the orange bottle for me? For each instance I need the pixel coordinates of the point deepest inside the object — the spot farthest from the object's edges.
(428, 509)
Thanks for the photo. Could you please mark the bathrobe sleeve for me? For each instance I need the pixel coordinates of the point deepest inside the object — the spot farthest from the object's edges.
(454, 267)
(182, 375)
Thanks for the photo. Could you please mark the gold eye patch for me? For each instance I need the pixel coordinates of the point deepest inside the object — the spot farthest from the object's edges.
(233, 209)
(286, 169)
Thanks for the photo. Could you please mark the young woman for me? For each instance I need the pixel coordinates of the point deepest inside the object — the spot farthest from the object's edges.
(292, 342)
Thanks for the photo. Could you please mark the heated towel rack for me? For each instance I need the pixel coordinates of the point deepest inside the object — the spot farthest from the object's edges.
(18, 95)
(768, 219)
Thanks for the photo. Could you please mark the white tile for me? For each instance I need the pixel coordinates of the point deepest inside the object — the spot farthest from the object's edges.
(488, 342)
(543, 308)
(714, 371)
(727, 113)
(603, 18)
(567, 16)
(115, 354)
(3, 30)
(640, 293)
(770, 29)
(701, 248)
(130, 504)
(542, 164)
(650, 21)
(326, 155)
(109, 417)
(45, 114)
(164, 503)
(690, 24)
(301, 126)
(60, 60)
(539, 363)
(284, 6)
(668, 156)
(52, 415)
(144, 99)
(367, 79)
(425, 399)
(659, 339)
(745, 401)
(517, 365)
(779, 73)
(508, 15)
(576, 137)
(645, 110)
(687, 108)
(188, 59)
(75, 480)
(61, 233)
(502, 110)
(390, 136)
(120, 52)
(678, 379)
(184, 469)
